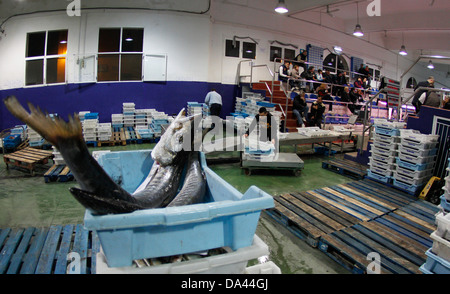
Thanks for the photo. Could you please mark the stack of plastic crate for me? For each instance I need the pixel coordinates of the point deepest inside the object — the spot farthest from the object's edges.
(81, 114)
(194, 108)
(34, 139)
(140, 118)
(128, 114)
(157, 120)
(438, 256)
(89, 125)
(57, 157)
(117, 120)
(415, 161)
(104, 131)
(384, 150)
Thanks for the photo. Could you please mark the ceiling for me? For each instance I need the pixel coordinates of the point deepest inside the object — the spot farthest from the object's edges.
(423, 26)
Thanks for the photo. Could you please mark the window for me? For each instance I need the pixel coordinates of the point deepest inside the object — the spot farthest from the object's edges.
(411, 83)
(232, 48)
(289, 54)
(45, 57)
(249, 50)
(275, 52)
(333, 61)
(120, 53)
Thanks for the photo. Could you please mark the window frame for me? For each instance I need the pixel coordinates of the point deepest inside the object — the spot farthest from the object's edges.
(120, 53)
(45, 59)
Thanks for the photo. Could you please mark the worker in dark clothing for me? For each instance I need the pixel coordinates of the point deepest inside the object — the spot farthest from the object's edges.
(300, 109)
(429, 83)
(317, 111)
(446, 102)
(264, 121)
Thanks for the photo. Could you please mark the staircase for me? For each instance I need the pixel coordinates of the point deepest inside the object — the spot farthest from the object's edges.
(279, 98)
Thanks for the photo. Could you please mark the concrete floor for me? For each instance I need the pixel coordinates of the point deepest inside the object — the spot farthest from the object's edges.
(28, 201)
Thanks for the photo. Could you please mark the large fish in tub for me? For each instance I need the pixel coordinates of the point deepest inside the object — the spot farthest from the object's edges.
(98, 192)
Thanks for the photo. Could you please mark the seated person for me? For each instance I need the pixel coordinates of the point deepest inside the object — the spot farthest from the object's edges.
(446, 102)
(317, 111)
(322, 91)
(300, 109)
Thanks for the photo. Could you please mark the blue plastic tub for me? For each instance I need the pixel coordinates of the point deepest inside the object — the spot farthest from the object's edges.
(228, 218)
(435, 264)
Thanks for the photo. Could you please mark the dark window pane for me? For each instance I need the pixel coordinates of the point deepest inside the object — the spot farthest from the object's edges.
(57, 42)
(132, 40)
(230, 50)
(56, 70)
(131, 67)
(108, 67)
(109, 40)
(34, 72)
(35, 44)
(249, 50)
(330, 62)
(289, 54)
(275, 52)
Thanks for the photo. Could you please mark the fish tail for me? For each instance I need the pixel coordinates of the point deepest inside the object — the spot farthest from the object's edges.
(51, 129)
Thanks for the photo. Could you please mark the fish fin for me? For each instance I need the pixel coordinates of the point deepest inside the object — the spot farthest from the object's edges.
(52, 129)
(100, 205)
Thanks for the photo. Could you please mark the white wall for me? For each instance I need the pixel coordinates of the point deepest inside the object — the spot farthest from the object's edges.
(195, 44)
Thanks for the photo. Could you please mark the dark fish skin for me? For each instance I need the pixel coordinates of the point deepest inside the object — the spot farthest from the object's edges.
(194, 186)
(105, 195)
(164, 185)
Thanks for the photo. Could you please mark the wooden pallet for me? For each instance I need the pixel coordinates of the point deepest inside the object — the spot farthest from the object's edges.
(58, 172)
(346, 167)
(27, 158)
(400, 238)
(117, 138)
(46, 250)
(349, 221)
(132, 136)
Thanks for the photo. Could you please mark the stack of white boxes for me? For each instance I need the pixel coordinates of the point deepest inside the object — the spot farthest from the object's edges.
(57, 157)
(438, 256)
(89, 125)
(384, 150)
(128, 109)
(415, 161)
(104, 131)
(117, 120)
(34, 139)
(195, 108)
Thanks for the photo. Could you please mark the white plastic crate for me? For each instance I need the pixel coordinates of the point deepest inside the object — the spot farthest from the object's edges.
(443, 225)
(384, 123)
(441, 246)
(263, 268)
(416, 159)
(232, 262)
(415, 174)
(386, 146)
(417, 145)
(417, 137)
(385, 139)
(410, 180)
(382, 157)
(380, 164)
(417, 152)
(381, 151)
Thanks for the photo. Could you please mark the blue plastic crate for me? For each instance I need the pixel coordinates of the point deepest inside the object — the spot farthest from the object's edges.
(386, 131)
(435, 264)
(406, 186)
(12, 141)
(445, 204)
(227, 218)
(378, 177)
(91, 115)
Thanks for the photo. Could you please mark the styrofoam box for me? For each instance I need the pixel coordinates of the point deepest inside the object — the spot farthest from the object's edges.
(232, 262)
(441, 247)
(227, 218)
(443, 225)
(263, 268)
(417, 152)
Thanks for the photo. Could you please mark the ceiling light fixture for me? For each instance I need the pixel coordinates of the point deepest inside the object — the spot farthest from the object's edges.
(129, 39)
(337, 49)
(402, 48)
(281, 7)
(430, 65)
(357, 32)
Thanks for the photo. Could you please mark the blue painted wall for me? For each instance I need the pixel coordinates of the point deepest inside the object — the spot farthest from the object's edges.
(107, 98)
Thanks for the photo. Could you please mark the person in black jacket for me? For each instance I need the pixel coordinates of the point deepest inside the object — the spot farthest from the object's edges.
(429, 83)
(263, 120)
(446, 102)
(300, 109)
(317, 111)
